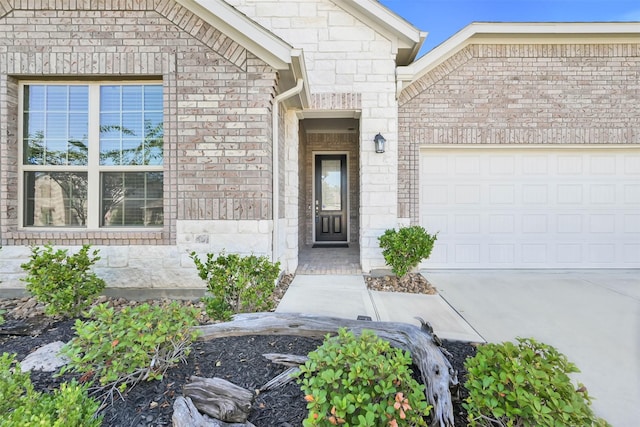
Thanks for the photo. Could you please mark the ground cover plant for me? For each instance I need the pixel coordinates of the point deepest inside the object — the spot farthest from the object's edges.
(361, 381)
(405, 248)
(63, 282)
(120, 349)
(525, 384)
(237, 284)
(21, 405)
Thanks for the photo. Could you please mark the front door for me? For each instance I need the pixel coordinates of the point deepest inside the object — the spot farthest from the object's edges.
(331, 198)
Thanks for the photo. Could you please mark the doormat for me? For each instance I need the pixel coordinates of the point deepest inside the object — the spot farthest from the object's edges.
(331, 245)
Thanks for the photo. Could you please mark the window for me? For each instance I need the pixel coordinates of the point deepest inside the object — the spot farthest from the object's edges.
(92, 155)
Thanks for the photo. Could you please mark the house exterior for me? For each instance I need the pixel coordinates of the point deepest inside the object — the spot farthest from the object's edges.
(153, 128)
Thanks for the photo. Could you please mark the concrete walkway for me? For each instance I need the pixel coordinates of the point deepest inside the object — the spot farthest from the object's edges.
(593, 317)
(347, 296)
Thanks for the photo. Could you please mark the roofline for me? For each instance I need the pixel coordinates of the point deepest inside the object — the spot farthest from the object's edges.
(244, 31)
(377, 16)
(519, 32)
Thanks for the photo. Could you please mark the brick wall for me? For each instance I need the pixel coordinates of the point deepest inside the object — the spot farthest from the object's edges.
(217, 163)
(519, 94)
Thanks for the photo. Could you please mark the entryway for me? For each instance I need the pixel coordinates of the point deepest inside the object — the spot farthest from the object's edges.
(331, 198)
(344, 261)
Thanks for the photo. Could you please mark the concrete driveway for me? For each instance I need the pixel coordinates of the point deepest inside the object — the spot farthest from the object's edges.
(592, 316)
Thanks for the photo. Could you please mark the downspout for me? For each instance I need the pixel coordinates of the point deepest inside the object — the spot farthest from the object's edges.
(276, 163)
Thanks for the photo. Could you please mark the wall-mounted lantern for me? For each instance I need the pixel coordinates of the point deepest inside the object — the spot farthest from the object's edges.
(379, 141)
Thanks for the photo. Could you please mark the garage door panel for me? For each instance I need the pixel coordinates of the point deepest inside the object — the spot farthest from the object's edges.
(632, 224)
(603, 165)
(632, 165)
(535, 194)
(632, 194)
(632, 253)
(467, 253)
(535, 224)
(467, 194)
(570, 253)
(569, 223)
(435, 195)
(467, 165)
(532, 208)
(535, 253)
(501, 254)
(569, 165)
(603, 194)
(502, 223)
(602, 223)
(502, 194)
(569, 194)
(601, 253)
(501, 165)
(536, 165)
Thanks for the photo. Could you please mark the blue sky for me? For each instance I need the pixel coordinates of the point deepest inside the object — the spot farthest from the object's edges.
(443, 18)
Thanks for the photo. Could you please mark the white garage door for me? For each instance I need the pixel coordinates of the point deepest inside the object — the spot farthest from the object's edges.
(532, 207)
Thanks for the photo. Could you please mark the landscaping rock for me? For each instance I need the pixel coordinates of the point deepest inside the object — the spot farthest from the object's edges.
(46, 358)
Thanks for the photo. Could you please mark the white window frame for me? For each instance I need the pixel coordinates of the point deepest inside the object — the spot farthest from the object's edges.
(93, 167)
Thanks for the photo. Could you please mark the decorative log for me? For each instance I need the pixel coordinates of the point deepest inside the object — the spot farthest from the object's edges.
(219, 398)
(185, 414)
(286, 359)
(437, 373)
(281, 379)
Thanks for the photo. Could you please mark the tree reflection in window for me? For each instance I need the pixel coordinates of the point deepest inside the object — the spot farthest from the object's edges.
(56, 134)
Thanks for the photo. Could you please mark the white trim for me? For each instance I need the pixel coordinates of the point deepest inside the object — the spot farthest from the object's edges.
(519, 33)
(529, 146)
(247, 33)
(313, 194)
(93, 167)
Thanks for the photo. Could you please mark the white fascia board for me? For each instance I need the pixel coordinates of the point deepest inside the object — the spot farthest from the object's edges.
(518, 33)
(246, 32)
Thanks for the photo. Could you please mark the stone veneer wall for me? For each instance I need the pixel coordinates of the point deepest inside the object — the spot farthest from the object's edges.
(350, 66)
(217, 153)
(332, 142)
(519, 94)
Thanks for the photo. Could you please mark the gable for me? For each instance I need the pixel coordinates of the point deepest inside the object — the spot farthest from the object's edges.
(311, 22)
(452, 52)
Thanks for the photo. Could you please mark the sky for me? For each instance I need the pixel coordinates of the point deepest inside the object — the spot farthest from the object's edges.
(443, 18)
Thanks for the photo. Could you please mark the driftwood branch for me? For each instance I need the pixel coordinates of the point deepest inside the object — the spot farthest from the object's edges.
(436, 371)
(185, 414)
(219, 398)
(286, 359)
(281, 379)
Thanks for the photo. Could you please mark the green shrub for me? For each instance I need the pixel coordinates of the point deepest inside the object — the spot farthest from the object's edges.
(63, 282)
(14, 384)
(237, 284)
(361, 381)
(69, 406)
(2, 312)
(121, 349)
(405, 248)
(525, 384)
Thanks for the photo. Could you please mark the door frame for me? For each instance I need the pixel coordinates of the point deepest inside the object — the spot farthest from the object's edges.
(313, 193)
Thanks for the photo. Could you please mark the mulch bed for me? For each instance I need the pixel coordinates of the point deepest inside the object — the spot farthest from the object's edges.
(236, 359)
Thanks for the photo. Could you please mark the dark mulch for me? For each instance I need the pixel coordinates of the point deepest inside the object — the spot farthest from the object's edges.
(236, 359)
